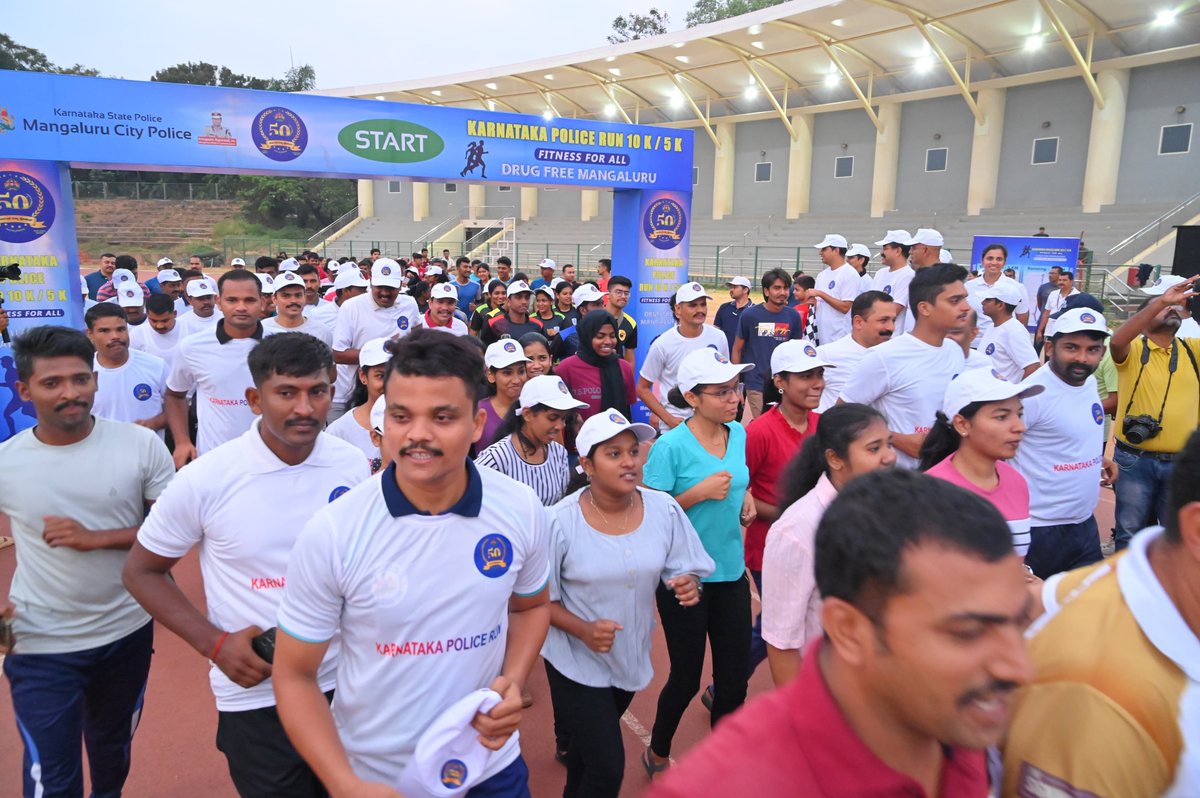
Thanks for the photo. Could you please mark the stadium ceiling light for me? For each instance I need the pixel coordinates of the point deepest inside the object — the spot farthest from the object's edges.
(1034, 42)
(615, 71)
(491, 86)
(676, 100)
(754, 30)
(832, 80)
(491, 104)
(751, 93)
(1165, 17)
(610, 110)
(610, 58)
(548, 77)
(838, 23)
(923, 64)
(379, 97)
(758, 45)
(547, 114)
(683, 59)
(678, 45)
(436, 92)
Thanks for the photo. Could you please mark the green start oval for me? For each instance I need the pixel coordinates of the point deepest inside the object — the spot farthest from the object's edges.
(391, 141)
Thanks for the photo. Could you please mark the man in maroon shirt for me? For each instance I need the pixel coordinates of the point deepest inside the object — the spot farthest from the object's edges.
(925, 605)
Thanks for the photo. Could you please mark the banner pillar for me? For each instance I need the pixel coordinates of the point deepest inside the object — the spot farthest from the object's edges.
(37, 232)
(651, 236)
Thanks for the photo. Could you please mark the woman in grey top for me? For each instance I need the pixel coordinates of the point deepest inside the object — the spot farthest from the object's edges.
(611, 545)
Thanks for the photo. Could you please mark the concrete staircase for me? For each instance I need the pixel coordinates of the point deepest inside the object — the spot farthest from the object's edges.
(150, 229)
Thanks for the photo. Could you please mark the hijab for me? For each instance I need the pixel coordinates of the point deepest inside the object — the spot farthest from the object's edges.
(612, 381)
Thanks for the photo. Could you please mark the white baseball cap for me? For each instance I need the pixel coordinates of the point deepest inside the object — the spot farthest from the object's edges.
(385, 272)
(585, 293)
(832, 240)
(858, 249)
(796, 357)
(547, 263)
(373, 353)
(285, 279)
(434, 270)
(927, 236)
(122, 276)
(1156, 288)
(266, 281)
(945, 256)
(449, 759)
(165, 262)
(504, 353)
(894, 237)
(606, 425)
(744, 282)
(443, 291)
(333, 267)
(350, 278)
(289, 265)
(1005, 289)
(689, 292)
(545, 289)
(130, 296)
(1080, 320)
(201, 287)
(519, 287)
(237, 262)
(556, 282)
(168, 276)
(707, 367)
(550, 391)
(378, 412)
(982, 385)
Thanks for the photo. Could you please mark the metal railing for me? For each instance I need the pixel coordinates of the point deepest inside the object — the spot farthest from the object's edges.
(321, 235)
(1160, 227)
(103, 189)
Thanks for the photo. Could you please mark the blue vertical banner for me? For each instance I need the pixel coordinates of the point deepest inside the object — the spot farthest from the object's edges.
(1031, 257)
(37, 235)
(651, 234)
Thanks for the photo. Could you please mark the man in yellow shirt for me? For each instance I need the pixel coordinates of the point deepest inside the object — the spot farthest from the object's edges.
(1115, 708)
(1158, 382)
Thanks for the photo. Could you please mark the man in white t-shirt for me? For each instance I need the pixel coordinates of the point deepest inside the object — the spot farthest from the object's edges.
(925, 249)
(873, 320)
(288, 296)
(383, 312)
(202, 296)
(1006, 340)
(994, 258)
(129, 384)
(244, 504)
(133, 302)
(905, 379)
(896, 274)
(1054, 303)
(837, 285)
(1062, 452)
(858, 256)
(161, 333)
(661, 366)
(348, 284)
(433, 574)
(171, 284)
(443, 299)
(213, 364)
(311, 278)
(76, 488)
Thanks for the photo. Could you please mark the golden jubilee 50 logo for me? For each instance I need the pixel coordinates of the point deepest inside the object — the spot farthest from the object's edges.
(26, 208)
(664, 223)
(279, 134)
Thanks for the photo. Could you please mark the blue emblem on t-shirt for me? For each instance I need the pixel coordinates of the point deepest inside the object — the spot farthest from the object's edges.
(338, 492)
(454, 773)
(142, 392)
(1098, 413)
(887, 289)
(493, 555)
(991, 349)
(402, 322)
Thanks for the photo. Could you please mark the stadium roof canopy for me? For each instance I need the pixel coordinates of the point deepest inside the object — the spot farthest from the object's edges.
(819, 55)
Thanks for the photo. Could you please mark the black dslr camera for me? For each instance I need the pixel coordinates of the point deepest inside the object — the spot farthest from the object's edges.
(1139, 429)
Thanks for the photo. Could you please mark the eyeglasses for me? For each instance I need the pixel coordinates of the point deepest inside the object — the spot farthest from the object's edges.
(725, 393)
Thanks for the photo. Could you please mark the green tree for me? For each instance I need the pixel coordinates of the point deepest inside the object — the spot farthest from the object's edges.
(638, 26)
(200, 73)
(706, 11)
(25, 59)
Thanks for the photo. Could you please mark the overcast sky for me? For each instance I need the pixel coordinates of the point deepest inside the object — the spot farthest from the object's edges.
(349, 43)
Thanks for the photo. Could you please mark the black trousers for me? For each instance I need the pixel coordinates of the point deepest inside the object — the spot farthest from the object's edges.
(262, 761)
(595, 749)
(723, 617)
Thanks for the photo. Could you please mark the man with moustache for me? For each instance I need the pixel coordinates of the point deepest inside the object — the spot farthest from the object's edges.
(77, 488)
(894, 278)
(923, 617)
(129, 384)
(874, 320)
(1159, 385)
(243, 506)
(160, 335)
(289, 296)
(1061, 453)
(108, 264)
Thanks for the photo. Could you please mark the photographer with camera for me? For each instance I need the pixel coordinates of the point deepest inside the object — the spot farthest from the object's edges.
(1159, 384)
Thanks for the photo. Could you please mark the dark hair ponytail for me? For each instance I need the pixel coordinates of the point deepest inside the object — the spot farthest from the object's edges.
(675, 397)
(943, 439)
(838, 427)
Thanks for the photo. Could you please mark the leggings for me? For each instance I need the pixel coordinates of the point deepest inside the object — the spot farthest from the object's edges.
(595, 751)
(723, 616)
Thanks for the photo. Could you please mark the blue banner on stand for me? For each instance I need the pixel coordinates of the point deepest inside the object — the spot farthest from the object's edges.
(656, 259)
(37, 234)
(1031, 257)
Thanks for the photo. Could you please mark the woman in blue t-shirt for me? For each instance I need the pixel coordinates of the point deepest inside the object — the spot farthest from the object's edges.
(702, 463)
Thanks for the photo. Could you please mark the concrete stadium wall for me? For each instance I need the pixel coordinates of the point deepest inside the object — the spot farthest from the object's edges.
(1067, 106)
(1154, 94)
(949, 118)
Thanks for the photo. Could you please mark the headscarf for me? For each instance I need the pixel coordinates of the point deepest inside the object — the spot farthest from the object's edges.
(612, 381)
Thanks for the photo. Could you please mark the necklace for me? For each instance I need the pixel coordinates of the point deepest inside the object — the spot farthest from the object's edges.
(624, 521)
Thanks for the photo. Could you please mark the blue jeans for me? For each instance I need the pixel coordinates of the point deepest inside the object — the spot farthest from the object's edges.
(1063, 547)
(96, 695)
(1141, 493)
